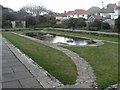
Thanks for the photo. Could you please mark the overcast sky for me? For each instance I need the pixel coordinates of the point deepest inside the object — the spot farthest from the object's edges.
(57, 5)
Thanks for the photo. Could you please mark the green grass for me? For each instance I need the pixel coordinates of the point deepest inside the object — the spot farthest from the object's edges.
(103, 59)
(113, 38)
(52, 60)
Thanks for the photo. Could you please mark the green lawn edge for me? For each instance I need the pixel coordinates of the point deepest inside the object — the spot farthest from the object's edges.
(55, 62)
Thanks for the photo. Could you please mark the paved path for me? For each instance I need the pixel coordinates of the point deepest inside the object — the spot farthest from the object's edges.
(0, 61)
(14, 73)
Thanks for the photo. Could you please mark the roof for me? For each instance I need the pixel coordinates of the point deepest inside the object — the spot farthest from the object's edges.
(61, 14)
(117, 8)
(107, 10)
(77, 11)
(92, 10)
(110, 8)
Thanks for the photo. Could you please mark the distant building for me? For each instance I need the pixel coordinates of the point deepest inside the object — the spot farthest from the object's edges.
(71, 14)
(108, 12)
(78, 13)
(116, 12)
(18, 24)
(93, 11)
(61, 16)
(92, 18)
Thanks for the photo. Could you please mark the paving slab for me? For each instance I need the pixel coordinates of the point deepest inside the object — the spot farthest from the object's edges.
(14, 72)
(12, 84)
(29, 82)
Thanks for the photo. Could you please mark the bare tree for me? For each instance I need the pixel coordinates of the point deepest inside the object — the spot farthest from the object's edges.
(35, 9)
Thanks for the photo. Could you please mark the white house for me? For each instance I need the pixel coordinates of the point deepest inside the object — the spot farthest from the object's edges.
(71, 14)
(117, 12)
(77, 14)
(108, 12)
(61, 16)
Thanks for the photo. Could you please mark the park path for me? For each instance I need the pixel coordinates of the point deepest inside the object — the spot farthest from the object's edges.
(14, 73)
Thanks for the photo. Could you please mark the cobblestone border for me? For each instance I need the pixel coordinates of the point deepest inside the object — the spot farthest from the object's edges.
(85, 78)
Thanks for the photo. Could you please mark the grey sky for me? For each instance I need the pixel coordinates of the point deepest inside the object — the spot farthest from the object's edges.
(57, 5)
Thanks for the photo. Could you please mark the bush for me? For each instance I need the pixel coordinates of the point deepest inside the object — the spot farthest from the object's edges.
(79, 23)
(105, 25)
(95, 26)
(98, 25)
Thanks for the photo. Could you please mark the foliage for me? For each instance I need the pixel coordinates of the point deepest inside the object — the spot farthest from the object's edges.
(79, 23)
(31, 14)
(40, 21)
(98, 25)
(36, 10)
(105, 26)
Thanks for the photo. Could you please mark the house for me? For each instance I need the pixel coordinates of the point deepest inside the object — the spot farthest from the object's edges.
(78, 13)
(108, 12)
(92, 18)
(61, 16)
(71, 14)
(116, 12)
(93, 11)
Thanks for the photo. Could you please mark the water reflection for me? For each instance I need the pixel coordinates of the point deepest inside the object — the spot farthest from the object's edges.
(57, 39)
(64, 40)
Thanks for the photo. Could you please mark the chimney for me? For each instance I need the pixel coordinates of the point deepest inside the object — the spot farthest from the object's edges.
(64, 11)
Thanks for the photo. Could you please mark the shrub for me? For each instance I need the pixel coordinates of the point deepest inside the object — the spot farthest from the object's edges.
(98, 25)
(79, 23)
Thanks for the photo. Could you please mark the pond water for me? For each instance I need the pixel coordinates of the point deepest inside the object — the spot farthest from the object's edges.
(57, 39)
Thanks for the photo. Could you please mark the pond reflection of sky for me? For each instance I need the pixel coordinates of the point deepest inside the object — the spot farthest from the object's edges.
(66, 40)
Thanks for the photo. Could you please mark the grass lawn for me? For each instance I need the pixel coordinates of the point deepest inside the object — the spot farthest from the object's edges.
(101, 37)
(103, 59)
(52, 60)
